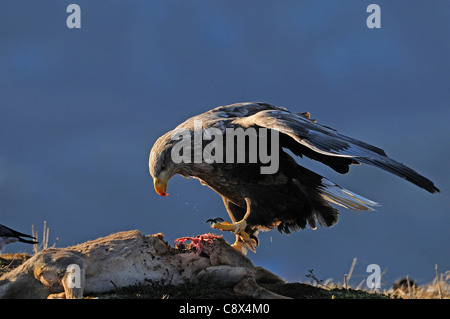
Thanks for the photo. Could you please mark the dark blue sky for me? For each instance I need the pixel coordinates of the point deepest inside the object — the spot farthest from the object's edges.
(81, 108)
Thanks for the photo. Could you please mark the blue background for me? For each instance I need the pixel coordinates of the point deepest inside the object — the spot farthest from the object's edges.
(81, 108)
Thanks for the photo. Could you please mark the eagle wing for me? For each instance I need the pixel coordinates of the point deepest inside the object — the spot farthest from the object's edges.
(304, 136)
(8, 232)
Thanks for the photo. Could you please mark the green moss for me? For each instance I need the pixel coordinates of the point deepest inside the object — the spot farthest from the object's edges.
(342, 293)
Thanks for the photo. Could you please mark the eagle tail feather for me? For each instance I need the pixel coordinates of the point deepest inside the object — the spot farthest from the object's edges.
(335, 194)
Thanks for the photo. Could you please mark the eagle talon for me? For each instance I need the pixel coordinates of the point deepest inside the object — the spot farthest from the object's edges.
(255, 239)
(215, 220)
(251, 241)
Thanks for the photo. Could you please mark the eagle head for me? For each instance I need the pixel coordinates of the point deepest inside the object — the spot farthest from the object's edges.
(160, 164)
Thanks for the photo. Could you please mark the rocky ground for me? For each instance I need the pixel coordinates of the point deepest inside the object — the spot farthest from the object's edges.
(209, 291)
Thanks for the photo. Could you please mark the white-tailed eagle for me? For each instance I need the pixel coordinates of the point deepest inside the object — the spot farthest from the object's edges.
(289, 197)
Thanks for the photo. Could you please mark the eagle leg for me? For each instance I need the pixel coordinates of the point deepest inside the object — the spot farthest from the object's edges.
(241, 246)
(239, 229)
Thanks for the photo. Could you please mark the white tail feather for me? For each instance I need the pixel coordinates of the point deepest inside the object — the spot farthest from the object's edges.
(343, 197)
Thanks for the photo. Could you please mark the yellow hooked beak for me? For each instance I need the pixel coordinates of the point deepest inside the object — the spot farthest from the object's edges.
(160, 183)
